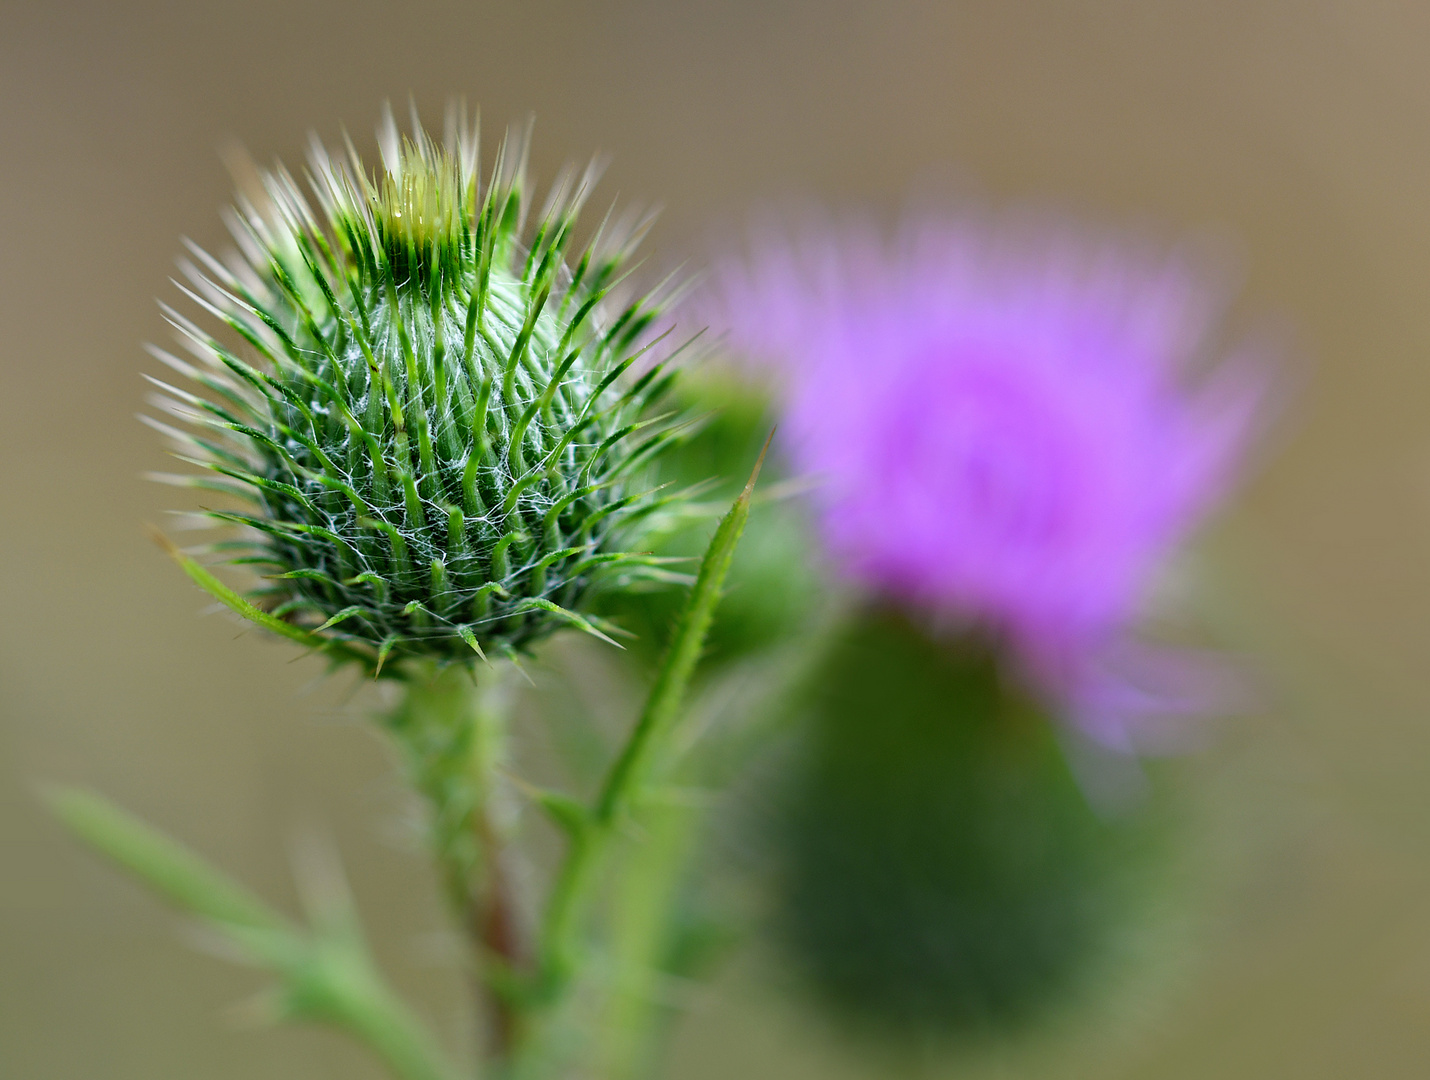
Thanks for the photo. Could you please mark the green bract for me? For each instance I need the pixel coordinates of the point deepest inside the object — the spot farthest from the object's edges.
(426, 408)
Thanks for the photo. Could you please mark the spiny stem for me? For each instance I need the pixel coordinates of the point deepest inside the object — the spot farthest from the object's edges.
(673, 678)
(576, 883)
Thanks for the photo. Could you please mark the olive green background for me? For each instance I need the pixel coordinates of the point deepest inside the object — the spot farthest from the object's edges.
(1295, 134)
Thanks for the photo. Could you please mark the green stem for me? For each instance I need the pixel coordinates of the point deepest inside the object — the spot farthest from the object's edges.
(451, 733)
(574, 891)
(494, 923)
(371, 1013)
(641, 933)
(643, 908)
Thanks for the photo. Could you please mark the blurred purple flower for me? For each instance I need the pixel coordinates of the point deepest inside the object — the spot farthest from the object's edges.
(1009, 436)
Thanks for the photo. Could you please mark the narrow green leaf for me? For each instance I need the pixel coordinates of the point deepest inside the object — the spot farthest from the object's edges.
(323, 976)
(673, 678)
(168, 867)
(234, 602)
(230, 599)
(575, 884)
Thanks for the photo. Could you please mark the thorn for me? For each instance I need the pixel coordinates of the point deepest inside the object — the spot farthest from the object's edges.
(515, 660)
(759, 461)
(384, 650)
(471, 639)
(165, 544)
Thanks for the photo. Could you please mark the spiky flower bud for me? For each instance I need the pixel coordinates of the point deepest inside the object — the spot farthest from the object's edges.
(427, 409)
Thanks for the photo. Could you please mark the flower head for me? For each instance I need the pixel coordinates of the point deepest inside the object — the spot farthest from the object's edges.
(422, 406)
(1008, 436)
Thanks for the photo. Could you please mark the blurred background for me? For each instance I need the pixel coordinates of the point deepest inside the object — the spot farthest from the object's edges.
(1298, 135)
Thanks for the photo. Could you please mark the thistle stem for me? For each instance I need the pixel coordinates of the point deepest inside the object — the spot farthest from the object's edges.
(640, 932)
(493, 922)
(574, 892)
(452, 736)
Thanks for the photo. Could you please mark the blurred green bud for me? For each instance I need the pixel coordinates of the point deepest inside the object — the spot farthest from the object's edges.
(940, 870)
(423, 401)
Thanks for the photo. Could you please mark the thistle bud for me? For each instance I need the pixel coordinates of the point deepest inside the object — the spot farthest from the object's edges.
(941, 873)
(424, 402)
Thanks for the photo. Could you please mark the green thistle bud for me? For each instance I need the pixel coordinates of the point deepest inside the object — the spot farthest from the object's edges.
(426, 407)
(941, 872)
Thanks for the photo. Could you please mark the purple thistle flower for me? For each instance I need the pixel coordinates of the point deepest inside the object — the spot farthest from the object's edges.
(1012, 437)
